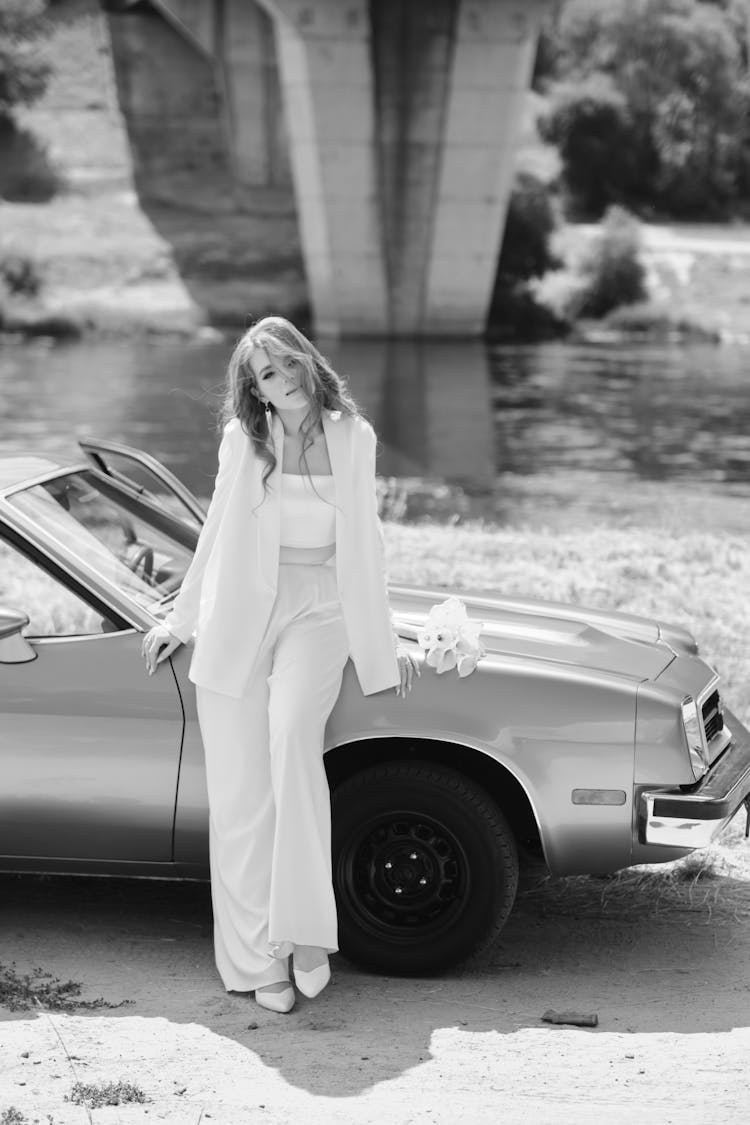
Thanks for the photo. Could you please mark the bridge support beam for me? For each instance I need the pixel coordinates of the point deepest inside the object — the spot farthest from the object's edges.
(326, 76)
(398, 129)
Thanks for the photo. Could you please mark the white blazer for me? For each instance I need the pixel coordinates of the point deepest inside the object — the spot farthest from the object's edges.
(230, 586)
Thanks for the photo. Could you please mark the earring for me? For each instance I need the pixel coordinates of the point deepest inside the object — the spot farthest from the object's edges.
(268, 414)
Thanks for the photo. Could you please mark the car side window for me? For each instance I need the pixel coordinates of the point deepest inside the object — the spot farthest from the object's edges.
(53, 610)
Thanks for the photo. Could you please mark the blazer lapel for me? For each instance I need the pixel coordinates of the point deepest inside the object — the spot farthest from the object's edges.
(338, 440)
(269, 513)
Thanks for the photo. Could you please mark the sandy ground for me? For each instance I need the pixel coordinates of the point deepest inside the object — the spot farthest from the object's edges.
(669, 984)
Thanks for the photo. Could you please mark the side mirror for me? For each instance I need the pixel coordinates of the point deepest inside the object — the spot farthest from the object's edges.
(14, 648)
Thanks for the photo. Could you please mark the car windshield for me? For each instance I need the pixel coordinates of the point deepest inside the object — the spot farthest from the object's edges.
(119, 537)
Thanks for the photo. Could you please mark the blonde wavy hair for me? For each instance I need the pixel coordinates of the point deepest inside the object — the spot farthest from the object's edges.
(325, 389)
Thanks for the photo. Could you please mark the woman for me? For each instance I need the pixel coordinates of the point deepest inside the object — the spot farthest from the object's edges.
(287, 583)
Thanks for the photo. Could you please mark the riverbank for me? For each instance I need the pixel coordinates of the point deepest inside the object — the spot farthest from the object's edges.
(103, 269)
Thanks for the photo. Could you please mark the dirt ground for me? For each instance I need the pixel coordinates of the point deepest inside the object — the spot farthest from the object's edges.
(668, 978)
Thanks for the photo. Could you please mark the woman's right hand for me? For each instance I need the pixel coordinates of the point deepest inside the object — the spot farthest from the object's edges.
(158, 644)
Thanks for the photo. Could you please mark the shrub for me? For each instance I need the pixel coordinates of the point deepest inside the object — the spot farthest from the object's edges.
(525, 254)
(27, 174)
(612, 271)
(529, 225)
(19, 276)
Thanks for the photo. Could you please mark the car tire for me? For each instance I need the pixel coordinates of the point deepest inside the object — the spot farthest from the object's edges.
(425, 868)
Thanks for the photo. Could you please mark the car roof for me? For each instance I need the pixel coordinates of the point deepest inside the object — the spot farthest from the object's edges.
(16, 468)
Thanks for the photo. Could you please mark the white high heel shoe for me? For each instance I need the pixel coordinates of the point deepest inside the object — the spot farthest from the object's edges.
(275, 1001)
(314, 981)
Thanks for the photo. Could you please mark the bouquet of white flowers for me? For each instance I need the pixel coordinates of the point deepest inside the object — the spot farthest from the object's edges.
(450, 639)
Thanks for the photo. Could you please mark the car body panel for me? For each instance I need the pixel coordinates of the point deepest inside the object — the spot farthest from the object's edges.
(495, 606)
(563, 640)
(90, 751)
(552, 732)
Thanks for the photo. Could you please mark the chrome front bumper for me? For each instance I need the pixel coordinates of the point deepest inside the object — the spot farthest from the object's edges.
(692, 820)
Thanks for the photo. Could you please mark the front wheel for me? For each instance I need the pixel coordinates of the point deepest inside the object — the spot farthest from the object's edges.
(425, 867)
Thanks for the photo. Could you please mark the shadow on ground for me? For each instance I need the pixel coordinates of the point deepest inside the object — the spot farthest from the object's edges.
(673, 962)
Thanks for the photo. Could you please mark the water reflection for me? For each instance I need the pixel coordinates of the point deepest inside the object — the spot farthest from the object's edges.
(455, 411)
(647, 412)
(430, 405)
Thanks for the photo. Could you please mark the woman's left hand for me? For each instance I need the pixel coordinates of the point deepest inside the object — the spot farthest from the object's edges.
(407, 666)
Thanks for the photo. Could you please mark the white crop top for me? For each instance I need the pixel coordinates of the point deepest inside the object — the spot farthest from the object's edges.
(307, 519)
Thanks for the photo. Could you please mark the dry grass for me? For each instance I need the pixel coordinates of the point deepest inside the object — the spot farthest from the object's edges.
(711, 885)
(39, 989)
(97, 1094)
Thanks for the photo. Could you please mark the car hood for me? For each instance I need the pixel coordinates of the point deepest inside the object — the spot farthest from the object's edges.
(621, 644)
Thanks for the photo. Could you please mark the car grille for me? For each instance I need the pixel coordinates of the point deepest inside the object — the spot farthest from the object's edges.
(713, 717)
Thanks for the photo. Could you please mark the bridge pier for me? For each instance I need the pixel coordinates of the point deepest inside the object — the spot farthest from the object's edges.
(399, 124)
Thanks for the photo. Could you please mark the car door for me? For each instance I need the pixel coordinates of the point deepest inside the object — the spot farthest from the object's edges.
(146, 475)
(89, 743)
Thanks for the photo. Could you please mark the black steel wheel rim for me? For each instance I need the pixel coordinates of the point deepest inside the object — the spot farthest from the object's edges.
(403, 876)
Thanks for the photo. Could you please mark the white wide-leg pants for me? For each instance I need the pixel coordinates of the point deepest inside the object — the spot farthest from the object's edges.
(269, 803)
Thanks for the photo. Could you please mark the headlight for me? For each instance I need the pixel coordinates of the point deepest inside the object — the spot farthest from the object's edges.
(693, 726)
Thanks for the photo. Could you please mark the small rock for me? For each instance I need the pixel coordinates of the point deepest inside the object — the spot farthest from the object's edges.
(252, 1026)
(25, 1054)
(577, 1019)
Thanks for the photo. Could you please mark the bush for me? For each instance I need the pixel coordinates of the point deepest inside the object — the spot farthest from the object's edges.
(612, 271)
(529, 225)
(27, 175)
(19, 276)
(525, 254)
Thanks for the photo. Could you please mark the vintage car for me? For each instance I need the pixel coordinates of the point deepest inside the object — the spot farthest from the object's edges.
(596, 740)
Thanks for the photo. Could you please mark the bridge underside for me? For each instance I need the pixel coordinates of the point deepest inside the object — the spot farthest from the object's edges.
(373, 139)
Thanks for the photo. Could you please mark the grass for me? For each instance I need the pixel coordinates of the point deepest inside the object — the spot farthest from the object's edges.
(97, 1094)
(39, 989)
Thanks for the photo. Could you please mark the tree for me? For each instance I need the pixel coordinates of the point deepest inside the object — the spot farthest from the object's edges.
(23, 75)
(591, 124)
(679, 69)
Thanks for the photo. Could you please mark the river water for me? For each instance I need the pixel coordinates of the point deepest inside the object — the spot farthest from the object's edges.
(459, 412)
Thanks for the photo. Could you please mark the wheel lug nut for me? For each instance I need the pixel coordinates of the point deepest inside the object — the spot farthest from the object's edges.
(413, 855)
(399, 890)
(388, 865)
(423, 882)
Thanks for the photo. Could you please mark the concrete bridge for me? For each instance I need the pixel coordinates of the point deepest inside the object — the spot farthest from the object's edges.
(375, 139)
